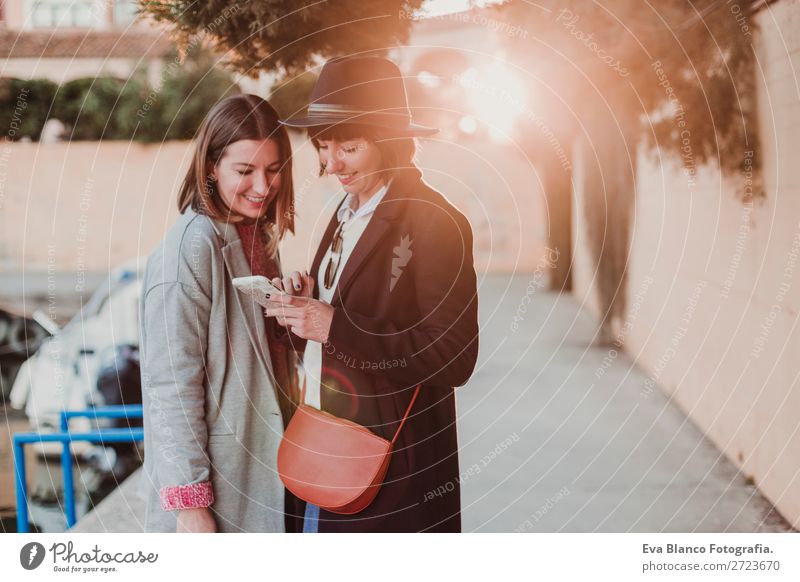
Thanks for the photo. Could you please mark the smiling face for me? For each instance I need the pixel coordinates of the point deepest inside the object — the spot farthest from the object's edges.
(248, 176)
(356, 162)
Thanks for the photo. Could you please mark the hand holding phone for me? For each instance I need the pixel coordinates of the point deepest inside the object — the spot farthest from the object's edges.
(258, 287)
(299, 284)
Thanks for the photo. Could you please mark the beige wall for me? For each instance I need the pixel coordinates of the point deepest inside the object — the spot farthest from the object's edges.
(14, 13)
(90, 206)
(714, 286)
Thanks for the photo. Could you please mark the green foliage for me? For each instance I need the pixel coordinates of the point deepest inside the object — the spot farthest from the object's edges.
(135, 92)
(24, 107)
(291, 96)
(86, 106)
(282, 36)
(107, 108)
(176, 109)
(689, 88)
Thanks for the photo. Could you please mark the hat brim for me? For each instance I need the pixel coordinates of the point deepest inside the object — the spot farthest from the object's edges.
(410, 130)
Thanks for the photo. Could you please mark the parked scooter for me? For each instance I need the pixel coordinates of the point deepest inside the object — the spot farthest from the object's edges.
(92, 361)
(20, 337)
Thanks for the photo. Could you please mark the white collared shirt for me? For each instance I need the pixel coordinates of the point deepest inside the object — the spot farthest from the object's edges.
(345, 211)
(354, 226)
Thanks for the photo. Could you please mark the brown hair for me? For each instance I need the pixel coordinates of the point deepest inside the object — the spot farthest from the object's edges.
(397, 153)
(233, 119)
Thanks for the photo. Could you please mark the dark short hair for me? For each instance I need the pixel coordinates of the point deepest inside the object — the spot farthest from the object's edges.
(397, 153)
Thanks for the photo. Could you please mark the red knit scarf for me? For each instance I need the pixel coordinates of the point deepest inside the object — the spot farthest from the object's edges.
(253, 245)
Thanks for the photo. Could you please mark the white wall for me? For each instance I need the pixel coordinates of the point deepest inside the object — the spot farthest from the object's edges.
(714, 284)
(90, 206)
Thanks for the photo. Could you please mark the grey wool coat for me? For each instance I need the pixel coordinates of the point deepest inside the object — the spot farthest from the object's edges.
(210, 407)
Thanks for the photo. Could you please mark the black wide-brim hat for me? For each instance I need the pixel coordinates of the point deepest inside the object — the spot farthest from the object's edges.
(361, 91)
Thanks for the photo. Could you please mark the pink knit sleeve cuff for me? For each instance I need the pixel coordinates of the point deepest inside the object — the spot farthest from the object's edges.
(187, 496)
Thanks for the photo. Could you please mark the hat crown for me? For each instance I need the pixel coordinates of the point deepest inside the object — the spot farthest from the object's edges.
(369, 84)
(361, 90)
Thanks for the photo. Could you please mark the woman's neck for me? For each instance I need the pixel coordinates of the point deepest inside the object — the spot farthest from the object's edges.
(361, 199)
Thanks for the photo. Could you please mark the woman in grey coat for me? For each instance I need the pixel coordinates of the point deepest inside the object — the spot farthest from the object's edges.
(218, 379)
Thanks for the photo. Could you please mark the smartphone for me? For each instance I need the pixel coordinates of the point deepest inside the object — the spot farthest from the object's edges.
(258, 287)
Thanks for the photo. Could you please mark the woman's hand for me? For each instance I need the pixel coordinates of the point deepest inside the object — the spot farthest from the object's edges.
(198, 520)
(297, 283)
(307, 318)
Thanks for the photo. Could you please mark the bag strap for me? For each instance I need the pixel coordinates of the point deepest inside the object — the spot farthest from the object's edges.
(402, 422)
(408, 410)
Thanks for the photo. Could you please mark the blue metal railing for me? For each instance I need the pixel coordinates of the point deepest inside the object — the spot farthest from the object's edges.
(125, 411)
(102, 436)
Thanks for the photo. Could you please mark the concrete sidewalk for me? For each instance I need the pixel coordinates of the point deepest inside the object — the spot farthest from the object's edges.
(548, 446)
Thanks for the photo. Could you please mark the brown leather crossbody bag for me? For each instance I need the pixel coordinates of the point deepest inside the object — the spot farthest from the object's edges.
(334, 463)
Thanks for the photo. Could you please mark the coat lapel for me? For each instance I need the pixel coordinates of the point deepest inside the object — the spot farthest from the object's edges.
(237, 266)
(379, 225)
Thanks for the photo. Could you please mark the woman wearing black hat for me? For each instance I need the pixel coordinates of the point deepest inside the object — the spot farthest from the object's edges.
(390, 302)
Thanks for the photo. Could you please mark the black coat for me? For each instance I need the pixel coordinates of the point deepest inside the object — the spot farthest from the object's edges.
(406, 313)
